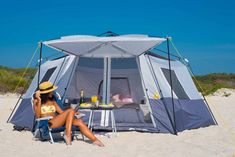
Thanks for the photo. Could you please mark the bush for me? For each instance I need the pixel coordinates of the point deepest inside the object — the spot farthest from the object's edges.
(212, 82)
(10, 78)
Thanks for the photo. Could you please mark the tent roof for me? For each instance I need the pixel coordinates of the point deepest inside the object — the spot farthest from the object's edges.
(115, 46)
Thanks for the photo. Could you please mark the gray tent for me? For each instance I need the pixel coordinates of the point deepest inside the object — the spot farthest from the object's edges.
(107, 66)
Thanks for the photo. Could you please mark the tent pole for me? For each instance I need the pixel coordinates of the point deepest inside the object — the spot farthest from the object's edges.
(148, 98)
(145, 91)
(104, 94)
(104, 80)
(108, 80)
(40, 62)
(160, 91)
(39, 71)
(172, 99)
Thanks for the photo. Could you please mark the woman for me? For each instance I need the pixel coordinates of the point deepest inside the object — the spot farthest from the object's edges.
(45, 105)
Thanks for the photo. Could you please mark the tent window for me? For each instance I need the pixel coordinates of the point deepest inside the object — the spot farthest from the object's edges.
(119, 85)
(176, 86)
(48, 74)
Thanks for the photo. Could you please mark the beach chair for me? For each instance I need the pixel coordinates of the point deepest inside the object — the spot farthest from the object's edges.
(42, 129)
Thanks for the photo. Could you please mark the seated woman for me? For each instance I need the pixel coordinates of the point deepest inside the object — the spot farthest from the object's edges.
(45, 105)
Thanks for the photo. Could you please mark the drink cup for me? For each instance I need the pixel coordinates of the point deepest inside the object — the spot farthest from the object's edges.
(97, 103)
(94, 99)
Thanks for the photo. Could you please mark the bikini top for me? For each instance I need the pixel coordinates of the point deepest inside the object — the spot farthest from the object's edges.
(45, 109)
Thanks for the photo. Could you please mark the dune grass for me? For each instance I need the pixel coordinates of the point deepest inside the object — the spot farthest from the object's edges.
(212, 82)
(10, 77)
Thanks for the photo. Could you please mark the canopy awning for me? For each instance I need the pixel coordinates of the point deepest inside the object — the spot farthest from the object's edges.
(114, 47)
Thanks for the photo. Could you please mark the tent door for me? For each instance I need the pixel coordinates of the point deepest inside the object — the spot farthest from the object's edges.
(145, 92)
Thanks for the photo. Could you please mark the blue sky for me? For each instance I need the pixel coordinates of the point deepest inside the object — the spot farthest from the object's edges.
(203, 30)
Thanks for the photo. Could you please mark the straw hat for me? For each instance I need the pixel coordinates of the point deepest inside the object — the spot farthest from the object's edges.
(46, 87)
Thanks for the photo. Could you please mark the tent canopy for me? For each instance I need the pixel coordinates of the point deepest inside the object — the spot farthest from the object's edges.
(123, 46)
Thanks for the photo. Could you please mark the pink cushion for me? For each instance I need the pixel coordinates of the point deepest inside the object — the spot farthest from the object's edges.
(122, 98)
(116, 98)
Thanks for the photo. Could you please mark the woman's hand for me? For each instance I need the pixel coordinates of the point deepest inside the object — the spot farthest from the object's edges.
(37, 104)
(38, 95)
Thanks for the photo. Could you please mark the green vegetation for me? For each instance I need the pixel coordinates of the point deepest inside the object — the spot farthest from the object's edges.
(9, 79)
(212, 82)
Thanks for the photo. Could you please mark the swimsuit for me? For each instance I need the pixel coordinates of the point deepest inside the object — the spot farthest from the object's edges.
(45, 109)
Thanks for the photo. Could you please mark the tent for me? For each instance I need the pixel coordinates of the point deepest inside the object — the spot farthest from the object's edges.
(162, 95)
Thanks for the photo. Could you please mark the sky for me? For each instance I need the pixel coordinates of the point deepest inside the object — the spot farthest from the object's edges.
(202, 30)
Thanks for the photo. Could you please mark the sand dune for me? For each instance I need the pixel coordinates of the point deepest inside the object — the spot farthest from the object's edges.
(206, 142)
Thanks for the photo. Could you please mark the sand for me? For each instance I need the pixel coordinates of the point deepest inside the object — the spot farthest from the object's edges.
(211, 141)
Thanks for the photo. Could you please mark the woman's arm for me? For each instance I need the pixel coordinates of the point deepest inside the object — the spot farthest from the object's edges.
(37, 104)
(58, 109)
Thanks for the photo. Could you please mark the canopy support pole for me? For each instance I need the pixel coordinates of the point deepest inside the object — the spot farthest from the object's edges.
(106, 90)
(40, 62)
(104, 81)
(39, 71)
(172, 99)
(108, 80)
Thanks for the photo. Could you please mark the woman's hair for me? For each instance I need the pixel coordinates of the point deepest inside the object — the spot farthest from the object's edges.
(45, 98)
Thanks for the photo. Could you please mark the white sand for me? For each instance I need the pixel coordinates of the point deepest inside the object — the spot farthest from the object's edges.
(207, 142)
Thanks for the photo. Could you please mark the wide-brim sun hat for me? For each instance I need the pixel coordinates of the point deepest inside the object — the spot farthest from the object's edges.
(46, 87)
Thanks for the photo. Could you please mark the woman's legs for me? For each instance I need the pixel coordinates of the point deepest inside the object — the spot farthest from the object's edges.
(67, 118)
(85, 131)
(64, 118)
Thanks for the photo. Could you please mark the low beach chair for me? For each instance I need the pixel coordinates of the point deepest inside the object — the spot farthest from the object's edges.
(42, 129)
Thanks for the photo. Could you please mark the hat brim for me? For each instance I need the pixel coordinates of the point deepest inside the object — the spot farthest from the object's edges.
(49, 90)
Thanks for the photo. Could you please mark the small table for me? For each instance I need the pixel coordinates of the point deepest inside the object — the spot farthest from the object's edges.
(91, 117)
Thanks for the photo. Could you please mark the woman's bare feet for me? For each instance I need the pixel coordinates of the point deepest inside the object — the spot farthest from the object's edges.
(67, 140)
(98, 143)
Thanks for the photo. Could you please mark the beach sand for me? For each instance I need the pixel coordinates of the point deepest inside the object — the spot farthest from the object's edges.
(203, 142)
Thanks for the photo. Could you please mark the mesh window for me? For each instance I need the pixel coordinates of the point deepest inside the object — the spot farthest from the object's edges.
(176, 86)
(118, 85)
(48, 74)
